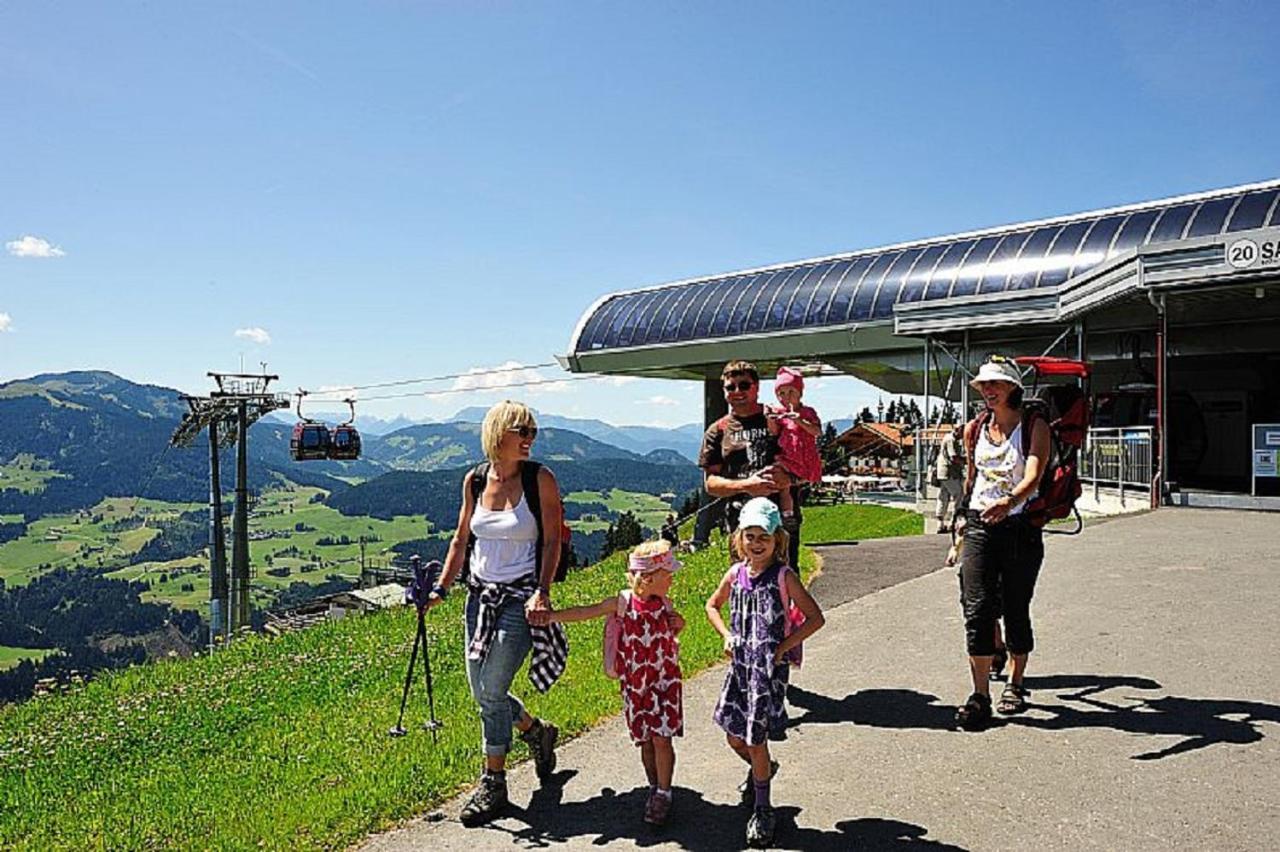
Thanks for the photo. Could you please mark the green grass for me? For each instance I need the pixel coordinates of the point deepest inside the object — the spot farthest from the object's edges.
(856, 521)
(282, 743)
(10, 656)
(27, 474)
(650, 510)
(84, 538)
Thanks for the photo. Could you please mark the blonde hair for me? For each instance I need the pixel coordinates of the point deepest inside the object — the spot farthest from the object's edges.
(781, 543)
(651, 548)
(503, 416)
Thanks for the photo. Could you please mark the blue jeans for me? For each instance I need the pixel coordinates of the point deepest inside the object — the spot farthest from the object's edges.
(490, 679)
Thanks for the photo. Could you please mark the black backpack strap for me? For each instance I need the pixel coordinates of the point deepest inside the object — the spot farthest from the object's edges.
(479, 478)
(529, 482)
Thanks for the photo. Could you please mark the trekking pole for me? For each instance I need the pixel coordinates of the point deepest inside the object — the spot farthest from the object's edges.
(432, 724)
(398, 730)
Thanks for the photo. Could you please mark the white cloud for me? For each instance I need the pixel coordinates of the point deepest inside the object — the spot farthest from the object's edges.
(619, 381)
(30, 246)
(504, 376)
(254, 333)
(658, 400)
(6, 322)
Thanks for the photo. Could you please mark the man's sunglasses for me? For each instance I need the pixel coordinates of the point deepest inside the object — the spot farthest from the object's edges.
(744, 385)
(529, 432)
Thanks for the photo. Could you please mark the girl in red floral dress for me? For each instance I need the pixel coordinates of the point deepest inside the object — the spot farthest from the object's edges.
(648, 665)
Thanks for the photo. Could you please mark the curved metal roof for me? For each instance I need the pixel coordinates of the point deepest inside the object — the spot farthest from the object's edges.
(864, 286)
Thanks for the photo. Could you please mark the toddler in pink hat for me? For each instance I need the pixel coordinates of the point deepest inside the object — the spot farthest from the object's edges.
(797, 427)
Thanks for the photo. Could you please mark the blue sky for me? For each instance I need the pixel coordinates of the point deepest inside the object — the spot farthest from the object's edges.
(397, 190)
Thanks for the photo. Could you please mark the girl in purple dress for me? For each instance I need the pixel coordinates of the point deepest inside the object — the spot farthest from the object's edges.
(757, 640)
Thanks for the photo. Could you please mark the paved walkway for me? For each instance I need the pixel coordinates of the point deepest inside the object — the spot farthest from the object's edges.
(1155, 718)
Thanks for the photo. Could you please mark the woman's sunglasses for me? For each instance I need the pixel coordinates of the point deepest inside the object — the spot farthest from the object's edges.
(529, 432)
(739, 386)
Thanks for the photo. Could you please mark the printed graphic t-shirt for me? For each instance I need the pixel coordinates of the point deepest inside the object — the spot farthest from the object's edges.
(736, 447)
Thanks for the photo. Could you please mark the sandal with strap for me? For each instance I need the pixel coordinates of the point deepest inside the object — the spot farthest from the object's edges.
(975, 713)
(998, 661)
(1013, 699)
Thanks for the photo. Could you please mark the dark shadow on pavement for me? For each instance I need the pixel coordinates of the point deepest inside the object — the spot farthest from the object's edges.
(1201, 722)
(615, 816)
(879, 708)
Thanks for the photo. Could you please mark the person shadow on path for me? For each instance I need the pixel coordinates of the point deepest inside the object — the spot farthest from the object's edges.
(1201, 722)
(614, 816)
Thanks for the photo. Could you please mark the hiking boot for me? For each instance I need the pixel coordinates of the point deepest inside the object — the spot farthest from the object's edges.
(975, 713)
(747, 789)
(760, 827)
(657, 809)
(541, 739)
(488, 800)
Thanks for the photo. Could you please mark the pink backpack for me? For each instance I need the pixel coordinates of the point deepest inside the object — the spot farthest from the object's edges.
(613, 636)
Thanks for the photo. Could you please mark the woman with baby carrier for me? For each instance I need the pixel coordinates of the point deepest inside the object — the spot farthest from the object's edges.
(1002, 550)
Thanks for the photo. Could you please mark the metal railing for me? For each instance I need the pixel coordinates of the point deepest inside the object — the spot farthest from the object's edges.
(1119, 458)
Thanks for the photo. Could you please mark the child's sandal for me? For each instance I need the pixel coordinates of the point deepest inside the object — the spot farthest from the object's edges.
(1013, 699)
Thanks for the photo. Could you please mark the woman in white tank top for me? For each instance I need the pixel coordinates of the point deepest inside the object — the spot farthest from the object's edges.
(1002, 551)
(508, 607)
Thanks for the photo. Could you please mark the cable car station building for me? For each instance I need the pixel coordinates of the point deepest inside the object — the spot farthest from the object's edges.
(1176, 303)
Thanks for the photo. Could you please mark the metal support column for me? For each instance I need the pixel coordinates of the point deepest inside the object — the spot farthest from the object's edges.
(714, 407)
(1162, 398)
(240, 527)
(922, 481)
(964, 387)
(217, 546)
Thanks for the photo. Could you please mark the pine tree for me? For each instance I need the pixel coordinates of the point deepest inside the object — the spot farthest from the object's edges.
(865, 416)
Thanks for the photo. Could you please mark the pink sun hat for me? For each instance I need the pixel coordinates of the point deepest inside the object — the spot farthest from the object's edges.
(665, 561)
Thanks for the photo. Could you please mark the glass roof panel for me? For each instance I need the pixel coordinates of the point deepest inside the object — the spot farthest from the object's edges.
(676, 312)
(798, 290)
(887, 295)
(865, 296)
(1001, 263)
(838, 307)
(1252, 212)
(724, 311)
(649, 328)
(966, 282)
(599, 321)
(785, 279)
(1211, 216)
(1134, 231)
(918, 277)
(1094, 248)
(793, 312)
(1062, 254)
(815, 313)
(945, 272)
(626, 304)
(639, 316)
(1031, 259)
(742, 308)
(1171, 223)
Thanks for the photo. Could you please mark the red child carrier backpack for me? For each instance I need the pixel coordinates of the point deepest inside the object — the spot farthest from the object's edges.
(1067, 411)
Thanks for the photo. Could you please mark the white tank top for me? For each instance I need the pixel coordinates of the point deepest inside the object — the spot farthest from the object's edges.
(1000, 467)
(506, 543)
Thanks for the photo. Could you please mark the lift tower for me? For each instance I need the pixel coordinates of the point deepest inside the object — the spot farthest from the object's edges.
(227, 412)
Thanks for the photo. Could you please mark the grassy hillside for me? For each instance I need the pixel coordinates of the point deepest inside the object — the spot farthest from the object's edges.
(10, 656)
(856, 521)
(281, 743)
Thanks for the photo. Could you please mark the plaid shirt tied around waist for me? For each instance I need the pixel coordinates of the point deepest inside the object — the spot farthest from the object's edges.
(550, 644)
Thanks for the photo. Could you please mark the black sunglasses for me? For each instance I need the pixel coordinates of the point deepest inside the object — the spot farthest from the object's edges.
(525, 431)
(744, 385)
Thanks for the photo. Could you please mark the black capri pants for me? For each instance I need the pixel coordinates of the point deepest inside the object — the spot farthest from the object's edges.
(998, 571)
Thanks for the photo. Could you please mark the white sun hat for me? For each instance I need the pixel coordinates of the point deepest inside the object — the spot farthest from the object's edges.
(997, 371)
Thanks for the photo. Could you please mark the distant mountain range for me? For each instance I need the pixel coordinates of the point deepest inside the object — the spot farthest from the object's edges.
(638, 439)
(109, 436)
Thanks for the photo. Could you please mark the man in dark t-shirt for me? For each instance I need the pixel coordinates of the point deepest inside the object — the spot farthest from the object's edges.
(738, 451)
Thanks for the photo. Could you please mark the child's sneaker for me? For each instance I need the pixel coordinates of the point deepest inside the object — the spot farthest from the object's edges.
(760, 827)
(658, 808)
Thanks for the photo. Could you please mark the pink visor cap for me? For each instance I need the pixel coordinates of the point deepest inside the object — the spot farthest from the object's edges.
(658, 562)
